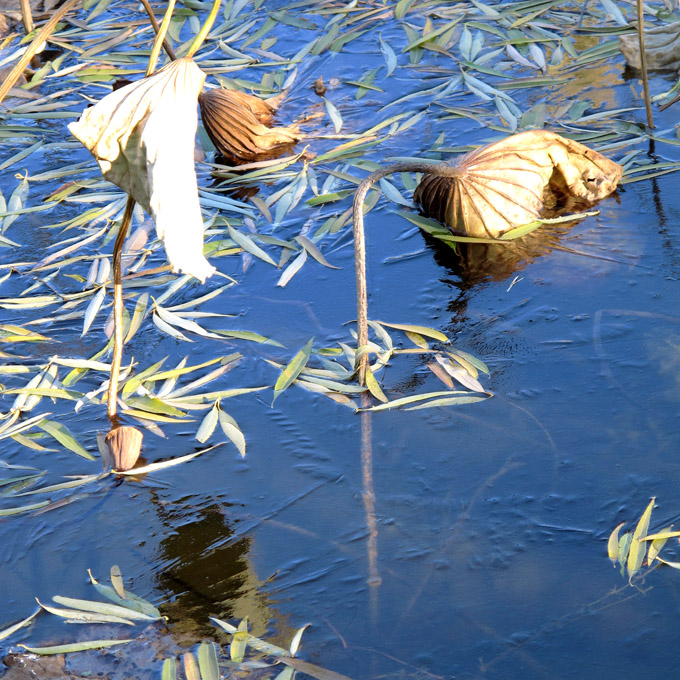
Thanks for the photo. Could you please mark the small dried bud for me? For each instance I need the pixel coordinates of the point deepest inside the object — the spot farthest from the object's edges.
(124, 445)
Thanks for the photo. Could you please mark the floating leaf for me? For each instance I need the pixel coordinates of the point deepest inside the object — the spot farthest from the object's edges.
(169, 670)
(237, 648)
(117, 581)
(17, 626)
(233, 431)
(208, 424)
(191, 670)
(6, 512)
(334, 115)
(86, 616)
(297, 638)
(421, 330)
(74, 647)
(638, 548)
(374, 389)
(613, 544)
(104, 608)
(389, 56)
(207, 661)
(658, 542)
(292, 370)
(64, 437)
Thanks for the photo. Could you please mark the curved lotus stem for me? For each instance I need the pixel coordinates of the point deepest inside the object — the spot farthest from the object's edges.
(168, 49)
(441, 169)
(205, 29)
(160, 38)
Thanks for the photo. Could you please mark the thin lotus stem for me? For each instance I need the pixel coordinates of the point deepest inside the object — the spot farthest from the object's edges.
(441, 169)
(118, 309)
(26, 15)
(160, 38)
(205, 29)
(166, 45)
(643, 63)
(39, 39)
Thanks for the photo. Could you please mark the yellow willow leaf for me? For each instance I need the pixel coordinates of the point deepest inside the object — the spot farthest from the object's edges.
(142, 136)
(638, 548)
(613, 544)
(658, 542)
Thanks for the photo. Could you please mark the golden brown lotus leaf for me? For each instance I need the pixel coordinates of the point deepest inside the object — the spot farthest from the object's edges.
(662, 47)
(506, 185)
(143, 137)
(235, 121)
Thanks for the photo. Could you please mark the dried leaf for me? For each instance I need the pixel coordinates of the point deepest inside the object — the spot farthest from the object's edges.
(237, 125)
(506, 185)
(142, 136)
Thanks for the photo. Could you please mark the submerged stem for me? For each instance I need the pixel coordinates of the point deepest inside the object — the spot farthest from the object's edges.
(205, 29)
(118, 308)
(441, 169)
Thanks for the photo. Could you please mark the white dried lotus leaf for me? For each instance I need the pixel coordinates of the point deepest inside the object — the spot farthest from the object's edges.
(506, 185)
(143, 137)
(662, 47)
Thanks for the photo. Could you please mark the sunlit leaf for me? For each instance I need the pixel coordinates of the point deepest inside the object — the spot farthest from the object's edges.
(292, 370)
(658, 542)
(207, 661)
(191, 670)
(169, 671)
(75, 647)
(162, 465)
(334, 115)
(297, 638)
(638, 548)
(131, 601)
(208, 424)
(374, 388)
(613, 544)
(6, 512)
(292, 269)
(237, 648)
(117, 581)
(87, 616)
(389, 56)
(421, 330)
(64, 437)
(233, 431)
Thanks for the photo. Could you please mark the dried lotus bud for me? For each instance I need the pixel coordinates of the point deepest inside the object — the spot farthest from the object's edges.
(124, 445)
(234, 123)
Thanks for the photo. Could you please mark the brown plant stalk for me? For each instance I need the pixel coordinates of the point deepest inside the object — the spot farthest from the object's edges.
(643, 64)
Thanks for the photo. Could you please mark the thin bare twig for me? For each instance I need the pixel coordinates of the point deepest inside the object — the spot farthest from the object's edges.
(643, 64)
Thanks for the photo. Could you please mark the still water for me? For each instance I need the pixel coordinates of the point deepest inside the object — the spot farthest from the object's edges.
(459, 542)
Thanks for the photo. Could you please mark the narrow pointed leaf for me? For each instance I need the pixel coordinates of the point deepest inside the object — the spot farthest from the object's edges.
(292, 370)
(17, 626)
(613, 544)
(74, 647)
(207, 661)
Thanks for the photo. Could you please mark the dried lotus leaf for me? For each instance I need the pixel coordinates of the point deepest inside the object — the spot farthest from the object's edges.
(234, 123)
(662, 47)
(507, 184)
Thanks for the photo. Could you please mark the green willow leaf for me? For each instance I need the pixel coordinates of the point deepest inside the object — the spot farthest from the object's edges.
(74, 647)
(207, 661)
(17, 626)
(613, 544)
(64, 437)
(421, 330)
(169, 670)
(638, 548)
(292, 370)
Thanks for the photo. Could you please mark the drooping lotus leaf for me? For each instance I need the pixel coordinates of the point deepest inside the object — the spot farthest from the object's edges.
(507, 184)
(662, 47)
(237, 124)
(143, 137)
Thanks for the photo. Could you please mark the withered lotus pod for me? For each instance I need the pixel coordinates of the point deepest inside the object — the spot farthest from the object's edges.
(124, 445)
(662, 47)
(506, 185)
(235, 121)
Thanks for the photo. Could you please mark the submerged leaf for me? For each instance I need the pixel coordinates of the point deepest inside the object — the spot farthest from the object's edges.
(292, 370)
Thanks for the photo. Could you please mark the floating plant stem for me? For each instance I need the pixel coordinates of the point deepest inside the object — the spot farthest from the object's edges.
(26, 16)
(643, 64)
